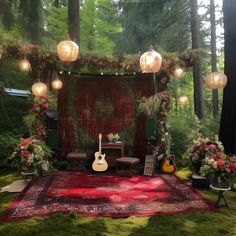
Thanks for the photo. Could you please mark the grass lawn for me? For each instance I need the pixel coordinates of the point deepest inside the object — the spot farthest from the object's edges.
(222, 222)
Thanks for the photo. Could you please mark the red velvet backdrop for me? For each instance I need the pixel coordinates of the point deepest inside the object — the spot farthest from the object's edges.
(89, 106)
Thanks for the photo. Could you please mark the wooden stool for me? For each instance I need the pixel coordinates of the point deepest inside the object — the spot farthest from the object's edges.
(127, 161)
(76, 160)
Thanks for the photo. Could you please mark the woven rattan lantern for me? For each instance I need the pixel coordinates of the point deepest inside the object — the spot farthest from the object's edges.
(183, 100)
(178, 72)
(57, 83)
(150, 61)
(216, 80)
(39, 89)
(67, 50)
(24, 65)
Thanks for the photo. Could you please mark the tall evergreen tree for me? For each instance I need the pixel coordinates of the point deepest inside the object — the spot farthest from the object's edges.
(74, 20)
(88, 16)
(162, 23)
(197, 66)
(32, 19)
(7, 13)
(228, 117)
(213, 56)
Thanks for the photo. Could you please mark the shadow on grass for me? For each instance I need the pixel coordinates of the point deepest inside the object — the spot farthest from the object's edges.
(217, 223)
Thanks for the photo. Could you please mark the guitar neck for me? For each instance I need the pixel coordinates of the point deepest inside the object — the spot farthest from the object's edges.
(100, 144)
(168, 146)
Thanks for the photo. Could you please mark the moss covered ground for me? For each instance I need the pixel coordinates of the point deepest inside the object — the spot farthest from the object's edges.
(222, 222)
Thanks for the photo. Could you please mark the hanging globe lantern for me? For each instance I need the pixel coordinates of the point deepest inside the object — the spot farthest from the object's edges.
(183, 100)
(24, 65)
(216, 80)
(67, 50)
(150, 62)
(39, 89)
(178, 72)
(57, 83)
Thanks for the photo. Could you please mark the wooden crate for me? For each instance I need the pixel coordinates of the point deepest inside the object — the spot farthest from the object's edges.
(149, 168)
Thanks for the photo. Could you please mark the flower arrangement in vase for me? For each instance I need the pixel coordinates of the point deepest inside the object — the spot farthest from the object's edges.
(220, 168)
(201, 148)
(31, 154)
(113, 137)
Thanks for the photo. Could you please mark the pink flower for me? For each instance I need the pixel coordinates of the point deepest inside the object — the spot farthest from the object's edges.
(228, 170)
(212, 146)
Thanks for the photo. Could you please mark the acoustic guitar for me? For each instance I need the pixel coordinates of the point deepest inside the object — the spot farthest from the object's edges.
(100, 163)
(168, 165)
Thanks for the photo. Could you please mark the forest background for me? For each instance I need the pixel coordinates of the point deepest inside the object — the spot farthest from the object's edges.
(111, 28)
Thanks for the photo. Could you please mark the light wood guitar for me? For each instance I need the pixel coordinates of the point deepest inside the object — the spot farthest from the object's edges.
(168, 165)
(100, 163)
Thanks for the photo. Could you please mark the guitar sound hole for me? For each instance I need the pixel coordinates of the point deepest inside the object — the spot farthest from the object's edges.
(100, 161)
(171, 162)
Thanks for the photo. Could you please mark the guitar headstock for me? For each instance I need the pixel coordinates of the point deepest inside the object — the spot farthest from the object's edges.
(100, 136)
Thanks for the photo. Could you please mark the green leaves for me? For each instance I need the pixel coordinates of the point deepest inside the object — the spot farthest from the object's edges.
(150, 106)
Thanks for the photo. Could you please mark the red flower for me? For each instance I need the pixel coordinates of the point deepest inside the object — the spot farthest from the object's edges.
(220, 163)
(202, 148)
(25, 154)
(164, 113)
(25, 142)
(45, 106)
(232, 166)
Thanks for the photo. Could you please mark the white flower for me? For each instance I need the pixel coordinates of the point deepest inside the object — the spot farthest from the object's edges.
(116, 136)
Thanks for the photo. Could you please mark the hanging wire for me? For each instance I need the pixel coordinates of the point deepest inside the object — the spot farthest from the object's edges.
(151, 25)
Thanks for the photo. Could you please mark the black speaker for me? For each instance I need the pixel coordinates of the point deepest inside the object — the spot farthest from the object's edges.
(52, 116)
(52, 140)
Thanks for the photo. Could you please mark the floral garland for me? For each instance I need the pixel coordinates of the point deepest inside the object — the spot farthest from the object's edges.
(39, 107)
(36, 120)
(161, 127)
(42, 60)
(158, 107)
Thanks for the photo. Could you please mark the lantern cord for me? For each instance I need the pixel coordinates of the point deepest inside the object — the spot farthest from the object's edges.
(151, 24)
(5, 111)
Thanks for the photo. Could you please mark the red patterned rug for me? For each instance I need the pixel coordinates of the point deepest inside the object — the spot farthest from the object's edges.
(105, 195)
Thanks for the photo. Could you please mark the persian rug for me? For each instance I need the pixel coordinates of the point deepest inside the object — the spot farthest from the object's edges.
(99, 194)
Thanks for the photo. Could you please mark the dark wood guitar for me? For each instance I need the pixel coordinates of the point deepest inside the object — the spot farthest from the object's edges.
(168, 165)
(100, 163)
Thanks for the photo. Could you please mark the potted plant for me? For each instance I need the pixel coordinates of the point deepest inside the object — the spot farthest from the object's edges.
(201, 148)
(31, 155)
(220, 168)
(113, 137)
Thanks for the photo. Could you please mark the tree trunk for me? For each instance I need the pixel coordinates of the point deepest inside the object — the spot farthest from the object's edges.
(57, 3)
(197, 67)
(213, 56)
(74, 20)
(228, 117)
